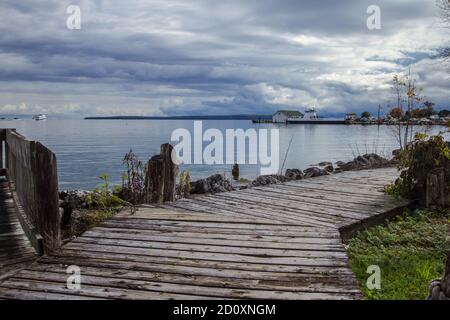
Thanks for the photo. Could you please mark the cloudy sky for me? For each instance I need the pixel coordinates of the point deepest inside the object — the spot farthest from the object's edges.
(178, 57)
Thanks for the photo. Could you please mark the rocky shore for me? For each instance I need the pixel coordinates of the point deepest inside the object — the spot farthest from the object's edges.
(218, 183)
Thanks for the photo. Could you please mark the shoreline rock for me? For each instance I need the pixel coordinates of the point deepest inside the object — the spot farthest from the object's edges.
(364, 162)
(294, 174)
(213, 184)
(315, 172)
(74, 198)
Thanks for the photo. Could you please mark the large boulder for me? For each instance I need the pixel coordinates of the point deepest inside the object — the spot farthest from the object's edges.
(294, 174)
(315, 172)
(75, 199)
(213, 184)
(327, 166)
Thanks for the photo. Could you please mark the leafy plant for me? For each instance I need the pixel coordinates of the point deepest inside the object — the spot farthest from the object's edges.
(184, 184)
(416, 161)
(133, 180)
(103, 197)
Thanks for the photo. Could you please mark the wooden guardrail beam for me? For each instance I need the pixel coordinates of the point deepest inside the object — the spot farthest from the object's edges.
(32, 175)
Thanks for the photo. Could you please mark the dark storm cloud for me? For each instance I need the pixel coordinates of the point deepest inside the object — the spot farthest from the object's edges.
(179, 57)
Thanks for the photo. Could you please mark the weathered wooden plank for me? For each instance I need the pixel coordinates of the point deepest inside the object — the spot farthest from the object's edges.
(335, 187)
(276, 212)
(87, 290)
(381, 201)
(171, 262)
(350, 202)
(253, 243)
(212, 256)
(188, 204)
(290, 284)
(249, 209)
(139, 289)
(215, 248)
(242, 231)
(280, 229)
(277, 209)
(23, 294)
(327, 212)
(202, 269)
(204, 235)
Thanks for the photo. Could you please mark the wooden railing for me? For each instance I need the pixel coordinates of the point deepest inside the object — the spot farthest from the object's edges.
(31, 171)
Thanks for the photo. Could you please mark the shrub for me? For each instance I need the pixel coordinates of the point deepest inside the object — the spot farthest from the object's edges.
(418, 159)
(103, 197)
(133, 180)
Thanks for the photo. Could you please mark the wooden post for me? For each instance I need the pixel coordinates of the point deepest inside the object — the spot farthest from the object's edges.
(235, 171)
(160, 180)
(435, 189)
(2, 139)
(170, 172)
(154, 180)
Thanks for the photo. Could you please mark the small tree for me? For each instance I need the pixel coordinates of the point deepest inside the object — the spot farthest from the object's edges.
(428, 108)
(396, 113)
(365, 114)
(408, 97)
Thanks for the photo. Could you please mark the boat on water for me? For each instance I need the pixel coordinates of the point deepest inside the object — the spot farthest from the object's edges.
(39, 117)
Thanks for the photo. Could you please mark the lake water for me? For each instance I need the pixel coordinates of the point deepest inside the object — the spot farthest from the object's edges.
(87, 148)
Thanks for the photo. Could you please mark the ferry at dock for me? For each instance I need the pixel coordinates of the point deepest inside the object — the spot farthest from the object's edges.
(311, 117)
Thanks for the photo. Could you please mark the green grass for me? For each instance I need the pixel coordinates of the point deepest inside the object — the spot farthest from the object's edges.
(410, 251)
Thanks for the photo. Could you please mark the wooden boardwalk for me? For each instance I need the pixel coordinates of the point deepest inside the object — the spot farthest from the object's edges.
(15, 249)
(272, 242)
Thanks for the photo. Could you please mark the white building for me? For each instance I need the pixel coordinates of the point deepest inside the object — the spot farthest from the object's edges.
(282, 116)
(350, 116)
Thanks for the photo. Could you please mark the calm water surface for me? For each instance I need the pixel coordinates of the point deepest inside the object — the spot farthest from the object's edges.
(87, 148)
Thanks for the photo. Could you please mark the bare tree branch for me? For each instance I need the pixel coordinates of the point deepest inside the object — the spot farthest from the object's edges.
(444, 6)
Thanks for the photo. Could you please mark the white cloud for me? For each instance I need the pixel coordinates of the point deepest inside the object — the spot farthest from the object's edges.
(177, 57)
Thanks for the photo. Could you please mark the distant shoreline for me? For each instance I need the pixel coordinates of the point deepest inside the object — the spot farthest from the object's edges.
(204, 117)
